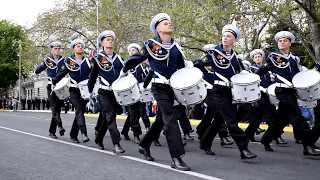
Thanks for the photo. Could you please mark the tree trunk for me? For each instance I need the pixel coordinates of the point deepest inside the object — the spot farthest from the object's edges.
(315, 39)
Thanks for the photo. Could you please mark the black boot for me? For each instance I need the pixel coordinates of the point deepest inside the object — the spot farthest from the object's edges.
(310, 151)
(136, 140)
(267, 147)
(187, 137)
(118, 149)
(74, 140)
(99, 145)
(126, 137)
(207, 151)
(298, 142)
(259, 131)
(226, 142)
(178, 164)
(85, 138)
(157, 143)
(62, 131)
(53, 136)
(280, 141)
(246, 154)
(253, 140)
(146, 153)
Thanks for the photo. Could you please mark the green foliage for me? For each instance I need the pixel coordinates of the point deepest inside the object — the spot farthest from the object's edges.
(10, 34)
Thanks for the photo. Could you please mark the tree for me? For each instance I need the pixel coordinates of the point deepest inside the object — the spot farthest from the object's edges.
(10, 35)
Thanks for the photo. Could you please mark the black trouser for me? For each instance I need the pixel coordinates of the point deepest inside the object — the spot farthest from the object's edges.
(316, 127)
(126, 125)
(55, 110)
(99, 121)
(265, 110)
(164, 96)
(80, 106)
(108, 106)
(183, 118)
(288, 109)
(204, 125)
(220, 98)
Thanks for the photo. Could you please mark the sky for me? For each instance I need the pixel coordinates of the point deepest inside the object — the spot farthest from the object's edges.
(23, 12)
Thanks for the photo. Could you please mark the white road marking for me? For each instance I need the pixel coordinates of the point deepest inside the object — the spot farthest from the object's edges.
(199, 175)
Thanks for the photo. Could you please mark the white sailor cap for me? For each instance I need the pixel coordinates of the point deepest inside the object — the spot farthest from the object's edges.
(157, 19)
(55, 44)
(134, 45)
(246, 62)
(75, 42)
(208, 47)
(104, 34)
(285, 34)
(232, 29)
(256, 51)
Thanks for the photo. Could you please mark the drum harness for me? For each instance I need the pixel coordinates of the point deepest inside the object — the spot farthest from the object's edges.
(283, 65)
(101, 66)
(52, 66)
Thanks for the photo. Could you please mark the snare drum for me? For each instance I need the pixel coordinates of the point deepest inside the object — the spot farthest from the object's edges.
(146, 95)
(245, 88)
(307, 85)
(84, 90)
(306, 104)
(188, 86)
(126, 90)
(272, 95)
(61, 89)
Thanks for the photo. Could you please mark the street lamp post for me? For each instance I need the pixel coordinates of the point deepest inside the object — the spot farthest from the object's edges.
(97, 15)
(19, 97)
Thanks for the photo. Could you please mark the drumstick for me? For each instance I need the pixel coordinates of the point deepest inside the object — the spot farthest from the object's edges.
(148, 78)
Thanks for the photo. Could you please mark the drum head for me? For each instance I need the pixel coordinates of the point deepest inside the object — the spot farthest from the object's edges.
(185, 77)
(306, 79)
(63, 82)
(245, 78)
(124, 83)
(271, 89)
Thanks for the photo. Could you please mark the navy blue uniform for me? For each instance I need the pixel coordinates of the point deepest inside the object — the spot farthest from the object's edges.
(285, 66)
(219, 98)
(107, 69)
(77, 72)
(52, 67)
(164, 61)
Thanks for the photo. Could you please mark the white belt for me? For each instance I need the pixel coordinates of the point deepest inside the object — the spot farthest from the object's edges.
(158, 80)
(283, 85)
(263, 89)
(73, 85)
(49, 82)
(222, 83)
(105, 87)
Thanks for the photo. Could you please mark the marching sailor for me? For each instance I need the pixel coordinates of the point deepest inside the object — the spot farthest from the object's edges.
(224, 64)
(165, 57)
(107, 66)
(137, 109)
(78, 68)
(52, 64)
(285, 65)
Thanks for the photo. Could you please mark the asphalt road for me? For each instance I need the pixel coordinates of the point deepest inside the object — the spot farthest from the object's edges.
(26, 152)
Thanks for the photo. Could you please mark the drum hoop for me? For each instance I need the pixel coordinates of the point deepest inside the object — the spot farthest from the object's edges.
(308, 86)
(187, 87)
(255, 82)
(240, 102)
(124, 89)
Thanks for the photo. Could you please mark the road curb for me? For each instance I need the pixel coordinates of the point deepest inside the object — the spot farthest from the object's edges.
(152, 119)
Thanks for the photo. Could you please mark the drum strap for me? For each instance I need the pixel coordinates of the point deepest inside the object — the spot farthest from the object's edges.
(284, 80)
(223, 78)
(104, 81)
(162, 78)
(208, 85)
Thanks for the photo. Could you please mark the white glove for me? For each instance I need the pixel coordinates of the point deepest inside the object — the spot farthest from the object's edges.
(244, 72)
(123, 74)
(188, 64)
